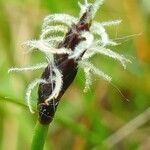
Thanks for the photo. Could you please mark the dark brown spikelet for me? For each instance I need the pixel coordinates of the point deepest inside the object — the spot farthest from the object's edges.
(68, 68)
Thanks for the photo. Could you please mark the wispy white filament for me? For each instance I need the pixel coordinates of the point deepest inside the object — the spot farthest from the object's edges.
(52, 30)
(58, 84)
(98, 29)
(110, 23)
(109, 53)
(88, 79)
(53, 40)
(31, 86)
(96, 6)
(29, 68)
(62, 18)
(93, 69)
(45, 47)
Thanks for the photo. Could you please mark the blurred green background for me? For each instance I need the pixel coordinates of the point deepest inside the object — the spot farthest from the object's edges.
(84, 121)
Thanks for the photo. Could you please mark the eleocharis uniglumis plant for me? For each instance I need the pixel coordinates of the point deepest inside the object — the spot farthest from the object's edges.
(80, 40)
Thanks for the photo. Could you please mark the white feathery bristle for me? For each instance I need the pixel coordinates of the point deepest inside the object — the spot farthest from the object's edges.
(54, 39)
(86, 2)
(88, 79)
(58, 84)
(82, 46)
(53, 29)
(42, 45)
(93, 69)
(96, 6)
(80, 5)
(100, 43)
(88, 54)
(62, 18)
(112, 54)
(100, 30)
(110, 23)
(45, 47)
(51, 40)
(31, 86)
(29, 68)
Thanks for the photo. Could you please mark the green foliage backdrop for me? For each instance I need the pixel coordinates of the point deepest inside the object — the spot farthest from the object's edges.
(83, 120)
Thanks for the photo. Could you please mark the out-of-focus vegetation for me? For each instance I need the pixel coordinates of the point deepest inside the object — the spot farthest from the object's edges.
(83, 120)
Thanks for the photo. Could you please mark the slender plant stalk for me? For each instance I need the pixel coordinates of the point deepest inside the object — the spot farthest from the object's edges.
(40, 134)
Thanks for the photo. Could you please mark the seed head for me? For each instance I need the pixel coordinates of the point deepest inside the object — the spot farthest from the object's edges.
(81, 39)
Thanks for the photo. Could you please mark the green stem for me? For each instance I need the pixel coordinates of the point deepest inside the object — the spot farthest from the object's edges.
(39, 136)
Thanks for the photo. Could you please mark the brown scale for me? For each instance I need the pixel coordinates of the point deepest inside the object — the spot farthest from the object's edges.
(68, 68)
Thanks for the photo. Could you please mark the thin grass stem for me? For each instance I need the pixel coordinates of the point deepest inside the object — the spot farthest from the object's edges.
(40, 134)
